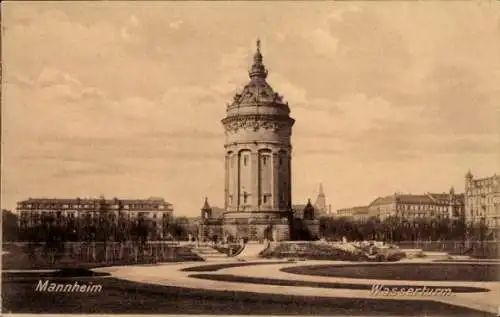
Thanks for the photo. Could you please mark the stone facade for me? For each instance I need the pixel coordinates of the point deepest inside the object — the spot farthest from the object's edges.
(156, 211)
(410, 207)
(358, 213)
(258, 153)
(482, 200)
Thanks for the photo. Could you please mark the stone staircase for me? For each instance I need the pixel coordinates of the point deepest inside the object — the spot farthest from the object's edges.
(208, 253)
(251, 251)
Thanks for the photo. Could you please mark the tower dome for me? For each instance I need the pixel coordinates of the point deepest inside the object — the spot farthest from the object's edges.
(206, 210)
(257, 96)
(469, 175)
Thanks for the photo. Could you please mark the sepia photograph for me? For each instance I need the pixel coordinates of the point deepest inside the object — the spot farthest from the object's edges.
(250, 158)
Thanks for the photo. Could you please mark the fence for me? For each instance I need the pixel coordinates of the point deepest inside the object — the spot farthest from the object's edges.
(77, 254)
(474, 248)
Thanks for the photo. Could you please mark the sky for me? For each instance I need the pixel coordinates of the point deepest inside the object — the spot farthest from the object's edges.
(124, 99)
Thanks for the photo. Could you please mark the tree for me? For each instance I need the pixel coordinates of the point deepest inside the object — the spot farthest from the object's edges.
(52, 233)
(459, 229)
(10, 228)
(390, 225)
(372, 229)
(176, 230)
(442, 229)
(123, 227)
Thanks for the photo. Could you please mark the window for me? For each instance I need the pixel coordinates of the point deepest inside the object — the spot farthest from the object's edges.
(264, 160)
(264, 199)
(245, 160)
(245, 196)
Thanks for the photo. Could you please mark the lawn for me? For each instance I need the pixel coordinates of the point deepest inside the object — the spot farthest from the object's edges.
(272, 281)
(487, 272)
(119, 296)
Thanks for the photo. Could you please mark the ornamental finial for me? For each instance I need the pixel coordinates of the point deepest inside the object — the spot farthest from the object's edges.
(258, 70)
(206, 205)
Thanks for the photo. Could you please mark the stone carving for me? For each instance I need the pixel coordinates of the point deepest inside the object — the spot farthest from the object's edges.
(255, 123)
(257, 92)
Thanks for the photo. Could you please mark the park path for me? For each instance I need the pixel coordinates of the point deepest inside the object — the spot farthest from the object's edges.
(171, 275)
(484, 301)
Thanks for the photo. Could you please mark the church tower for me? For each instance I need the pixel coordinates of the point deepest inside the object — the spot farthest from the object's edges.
(320, 203)
(258, 130)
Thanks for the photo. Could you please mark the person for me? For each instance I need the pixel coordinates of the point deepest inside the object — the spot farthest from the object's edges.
(267, 243)
(371, 249)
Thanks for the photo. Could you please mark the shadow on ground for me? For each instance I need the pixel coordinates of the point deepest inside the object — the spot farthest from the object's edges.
(466, 272)
(119, 296)
(271, 281)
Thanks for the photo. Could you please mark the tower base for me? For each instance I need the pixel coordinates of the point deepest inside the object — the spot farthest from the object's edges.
(273, 226)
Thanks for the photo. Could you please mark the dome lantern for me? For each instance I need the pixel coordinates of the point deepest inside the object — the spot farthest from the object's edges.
(258, 70)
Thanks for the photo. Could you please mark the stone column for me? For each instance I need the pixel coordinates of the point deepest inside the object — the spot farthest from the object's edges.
(255, 171)
(275, 182)
(289, 179)
(226, 181)
(235, 167)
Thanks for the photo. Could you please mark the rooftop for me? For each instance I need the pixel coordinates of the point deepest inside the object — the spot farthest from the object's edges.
(88, 200)
(427, 198)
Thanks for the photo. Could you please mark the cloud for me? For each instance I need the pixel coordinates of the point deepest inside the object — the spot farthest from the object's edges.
(184, 134)
(58, 84)
(18, 80)
(456, 103)
(382, 91)
(323, 42)
(75, 40)
(51, 77)
(134, 20)
(299, 97)
(141, 146)
(459, 144)
(175, 24)
(96, 170)
(320, 151)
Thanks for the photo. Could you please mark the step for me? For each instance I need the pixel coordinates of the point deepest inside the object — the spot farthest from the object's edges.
(206, 250)
(226, 259)
(208, 253)
(215, 256)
